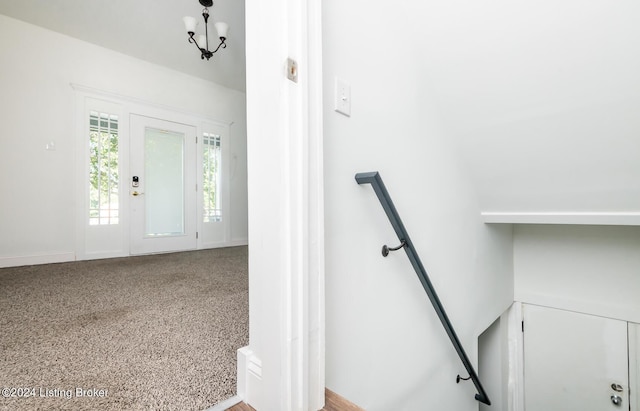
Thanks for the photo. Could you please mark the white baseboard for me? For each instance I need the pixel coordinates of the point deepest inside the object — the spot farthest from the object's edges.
(102, 255)
(243, 355)
(249, 376)
(36, 259)
(71, 256)
(223, 244)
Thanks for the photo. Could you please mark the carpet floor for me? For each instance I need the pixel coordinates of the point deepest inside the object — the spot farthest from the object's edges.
(139, 333)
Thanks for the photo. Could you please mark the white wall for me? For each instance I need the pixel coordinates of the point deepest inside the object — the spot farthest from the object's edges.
(37, 106)
(386, 349)
(590, 269)
(541, 99)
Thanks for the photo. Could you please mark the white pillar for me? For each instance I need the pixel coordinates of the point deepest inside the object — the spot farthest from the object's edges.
(283, 366)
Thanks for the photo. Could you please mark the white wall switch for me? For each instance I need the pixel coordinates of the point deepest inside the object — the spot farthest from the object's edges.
(343, 97)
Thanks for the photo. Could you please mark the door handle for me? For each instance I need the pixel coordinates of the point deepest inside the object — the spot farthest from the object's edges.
(136, 194)
(616, 400)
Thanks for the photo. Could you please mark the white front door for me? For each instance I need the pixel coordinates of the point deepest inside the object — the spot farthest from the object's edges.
(162, 186)
(574, 361)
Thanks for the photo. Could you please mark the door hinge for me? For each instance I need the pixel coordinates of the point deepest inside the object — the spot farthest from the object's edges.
(523, 326)
(196, 139)
(196, 235)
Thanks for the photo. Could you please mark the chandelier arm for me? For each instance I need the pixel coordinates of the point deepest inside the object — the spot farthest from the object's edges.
(193, 40)
(203, 52)
(222, 44)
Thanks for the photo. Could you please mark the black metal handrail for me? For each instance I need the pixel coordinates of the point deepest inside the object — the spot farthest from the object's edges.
(375, 180)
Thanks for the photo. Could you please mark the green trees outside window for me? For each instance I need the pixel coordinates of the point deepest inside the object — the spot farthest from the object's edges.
(211, 178)
(103, 169)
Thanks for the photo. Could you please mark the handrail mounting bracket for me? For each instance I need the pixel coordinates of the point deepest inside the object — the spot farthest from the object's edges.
(386, 249)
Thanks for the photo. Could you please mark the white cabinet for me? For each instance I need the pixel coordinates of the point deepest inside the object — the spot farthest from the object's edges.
(574, 361)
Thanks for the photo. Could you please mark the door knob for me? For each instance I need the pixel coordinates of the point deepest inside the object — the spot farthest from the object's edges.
(616, 400)
(136, 194)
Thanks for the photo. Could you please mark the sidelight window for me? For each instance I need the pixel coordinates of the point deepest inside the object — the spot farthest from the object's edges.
(103, 169)
(212, 177)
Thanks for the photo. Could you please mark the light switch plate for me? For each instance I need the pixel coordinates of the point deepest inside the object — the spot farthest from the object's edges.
(343, 97)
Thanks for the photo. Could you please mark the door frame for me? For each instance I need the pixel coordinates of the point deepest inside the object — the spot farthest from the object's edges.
(117, 244)
(515, 389)
(634, 356)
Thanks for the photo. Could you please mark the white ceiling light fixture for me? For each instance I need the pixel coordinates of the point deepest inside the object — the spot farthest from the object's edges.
(202, 42)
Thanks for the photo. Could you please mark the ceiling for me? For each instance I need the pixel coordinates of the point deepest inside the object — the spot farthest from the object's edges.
(146, 29)
(541, 99)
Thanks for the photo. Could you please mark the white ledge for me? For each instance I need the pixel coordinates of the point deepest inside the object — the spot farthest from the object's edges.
(583, 218)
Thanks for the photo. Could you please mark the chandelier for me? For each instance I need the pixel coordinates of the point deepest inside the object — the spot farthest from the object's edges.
(202, 42)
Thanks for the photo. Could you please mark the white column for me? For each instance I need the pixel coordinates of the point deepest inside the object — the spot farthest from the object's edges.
(284, 362)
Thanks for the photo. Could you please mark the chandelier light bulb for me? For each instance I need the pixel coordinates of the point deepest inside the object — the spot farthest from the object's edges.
(202, 41)
(190, 24)
(222, 29)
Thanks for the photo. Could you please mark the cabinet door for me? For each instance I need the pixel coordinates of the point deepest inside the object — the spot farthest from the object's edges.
(574, 361)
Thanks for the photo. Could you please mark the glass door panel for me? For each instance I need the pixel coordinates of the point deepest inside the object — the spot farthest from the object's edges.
(164, 182)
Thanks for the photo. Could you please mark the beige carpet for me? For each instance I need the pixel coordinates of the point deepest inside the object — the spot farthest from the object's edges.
(153, 332)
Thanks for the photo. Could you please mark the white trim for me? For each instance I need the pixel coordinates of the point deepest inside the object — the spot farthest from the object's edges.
(249, 375)
(515, 386)
(254, 367)
(584, 218)
(103, 255)
(122, 99)
(315, 196)
(622, 311)
(286, 226)
(222, 244)
(243, 355)
(224, 405)
(36, 259)
(634, 395)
